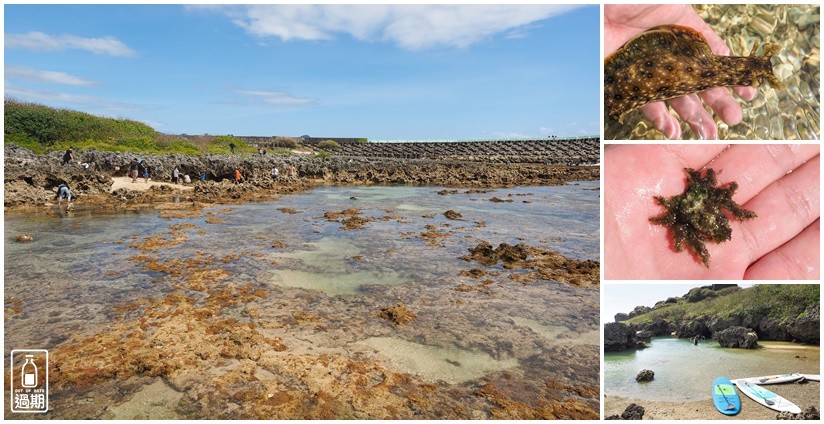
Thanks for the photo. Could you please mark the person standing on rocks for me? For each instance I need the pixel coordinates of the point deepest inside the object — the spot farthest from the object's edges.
(275, 173)
(238, 177)
(232, 147)
(176, 175)
(146, 172)
(133, 166)
(68, 156)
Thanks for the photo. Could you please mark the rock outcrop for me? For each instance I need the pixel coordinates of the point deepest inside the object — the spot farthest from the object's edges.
(30, 179)
(633, 412)
(737, 337)
(644, 376)
(619, 337)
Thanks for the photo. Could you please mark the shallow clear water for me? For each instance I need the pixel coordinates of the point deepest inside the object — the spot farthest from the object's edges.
(70, 281)
(685, 372)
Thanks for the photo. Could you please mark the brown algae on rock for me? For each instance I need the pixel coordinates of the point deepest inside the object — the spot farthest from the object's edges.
(695, 216)
(669, 61)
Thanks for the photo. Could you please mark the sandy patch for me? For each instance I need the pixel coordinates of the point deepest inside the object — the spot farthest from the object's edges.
(803, 395)
(142, 185)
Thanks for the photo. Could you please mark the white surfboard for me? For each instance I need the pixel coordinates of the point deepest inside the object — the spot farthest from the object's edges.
(766, 397)
(773, 379)
(812, 377)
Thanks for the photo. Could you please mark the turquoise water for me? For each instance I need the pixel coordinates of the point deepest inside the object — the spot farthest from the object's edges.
(685, 372)
(68, 282)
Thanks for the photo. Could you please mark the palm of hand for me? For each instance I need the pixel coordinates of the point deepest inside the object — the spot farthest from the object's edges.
(770, 246)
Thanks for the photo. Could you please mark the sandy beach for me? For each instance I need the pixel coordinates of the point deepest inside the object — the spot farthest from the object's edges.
(142, 185)
(803, 395)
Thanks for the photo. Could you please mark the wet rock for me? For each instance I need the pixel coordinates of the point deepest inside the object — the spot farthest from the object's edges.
(398, 314)
(618, 337)
(810, 413)
(24, 238)
(450, 214)
(737, 337)
(644, 376)
(499, 200)
(633, 412)
(807, 329)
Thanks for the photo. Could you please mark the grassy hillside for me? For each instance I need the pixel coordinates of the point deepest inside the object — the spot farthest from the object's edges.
(42, 129)
(783, 301)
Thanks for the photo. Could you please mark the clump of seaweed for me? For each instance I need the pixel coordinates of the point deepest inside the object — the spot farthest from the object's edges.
(545, 264)
(398, 314)
(696, 215)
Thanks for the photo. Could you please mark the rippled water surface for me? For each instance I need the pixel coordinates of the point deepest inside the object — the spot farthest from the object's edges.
(201, 296)
(685, 372)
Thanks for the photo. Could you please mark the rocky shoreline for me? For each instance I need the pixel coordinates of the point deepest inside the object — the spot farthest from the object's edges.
(739, 329)
(31, 179)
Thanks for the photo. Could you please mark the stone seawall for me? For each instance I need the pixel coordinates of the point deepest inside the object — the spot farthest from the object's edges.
(556, 152)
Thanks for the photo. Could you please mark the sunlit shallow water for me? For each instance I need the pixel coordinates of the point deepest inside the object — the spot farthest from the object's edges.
(68, 283)
(684, 371)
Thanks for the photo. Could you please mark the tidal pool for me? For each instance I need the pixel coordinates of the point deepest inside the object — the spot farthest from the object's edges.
(273, 310)
(684, 371)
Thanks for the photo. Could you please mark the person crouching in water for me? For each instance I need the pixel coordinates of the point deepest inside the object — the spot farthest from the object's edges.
(63, 192)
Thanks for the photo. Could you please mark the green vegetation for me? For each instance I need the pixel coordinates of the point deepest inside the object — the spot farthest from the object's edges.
(362, 141)
(286, 142)
(783, 301)
(43, 129)
(329, 145)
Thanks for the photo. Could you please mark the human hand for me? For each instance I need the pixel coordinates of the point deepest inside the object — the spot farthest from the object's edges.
(623, 22)
(780, 183)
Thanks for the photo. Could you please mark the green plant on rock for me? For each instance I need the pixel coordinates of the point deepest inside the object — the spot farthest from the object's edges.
(329, 145)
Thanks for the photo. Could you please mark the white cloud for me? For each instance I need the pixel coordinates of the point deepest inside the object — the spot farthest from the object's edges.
(54, 77)
(39, 41)
(273, 98)
(413, 27)
(104, 106)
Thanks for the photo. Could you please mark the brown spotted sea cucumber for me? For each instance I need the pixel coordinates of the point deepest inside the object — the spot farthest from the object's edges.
(670, 61)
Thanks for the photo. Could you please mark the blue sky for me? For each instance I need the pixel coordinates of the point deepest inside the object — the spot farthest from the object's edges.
(382, 72)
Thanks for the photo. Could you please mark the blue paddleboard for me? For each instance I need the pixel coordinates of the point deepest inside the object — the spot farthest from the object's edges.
(725, 397)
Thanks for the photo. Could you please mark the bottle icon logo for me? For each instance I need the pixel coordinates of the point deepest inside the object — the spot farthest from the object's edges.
(29, 375)
(29, 372)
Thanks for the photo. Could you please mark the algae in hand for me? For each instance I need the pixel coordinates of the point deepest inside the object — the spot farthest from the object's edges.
(695, 216)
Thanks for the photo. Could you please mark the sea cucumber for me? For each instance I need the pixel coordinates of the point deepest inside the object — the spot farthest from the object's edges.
(670, 61)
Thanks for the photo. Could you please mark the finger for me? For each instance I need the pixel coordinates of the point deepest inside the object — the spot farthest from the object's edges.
(746, 93)
(785, 208)
(659, 116)
(756, 166)
(691, 111)
(721, 101)
(797, 259)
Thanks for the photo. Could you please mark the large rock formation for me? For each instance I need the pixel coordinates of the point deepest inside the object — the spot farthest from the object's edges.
(737, 337)
(619, 336)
